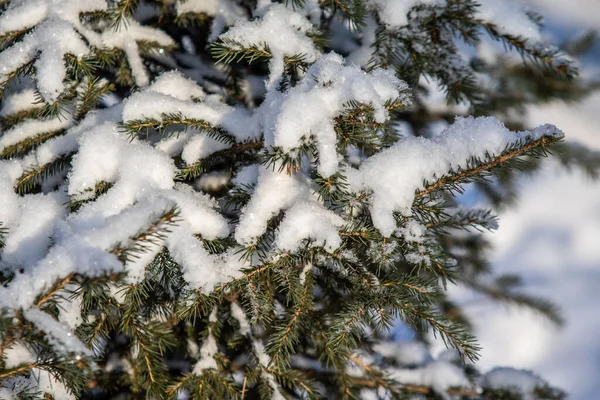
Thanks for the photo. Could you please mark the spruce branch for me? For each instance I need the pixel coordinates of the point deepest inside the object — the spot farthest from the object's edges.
(228, 51)
(122, 11)
(76, 202)
(24, 146)
(152, 235)
(533, 148)
(3, 234)
(23, 70)
(32, 178)
(547, 56)
(218, 158)
(54, 289)
(10, 120)
(134, 127)
(286, 337)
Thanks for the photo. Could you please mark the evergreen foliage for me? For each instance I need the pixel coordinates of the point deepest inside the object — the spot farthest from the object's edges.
(200, 200)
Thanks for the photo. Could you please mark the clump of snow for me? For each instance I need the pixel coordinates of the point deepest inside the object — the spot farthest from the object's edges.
(59, 31)
(68, 142)
(21, 15)
(31, 128)
(510, 18)
(274, 192)
(70, 311)
(522, 381)
(175, 84)
(237, 121)
(284, 31)
(404, 353)
(201, 146)
(246, 176)
(47, 383)
(309, 219)
(30, 235)
(412, 231)
(209, 348)
(212, 181)
(17, 102)
(307, 268)
(259, 349)
(17, 354)
(362, 54)
(438, 375)
(105, 154)
(394, 174)
(395, 13)
(321, 95)
(50, 67)
(126, 38)
(225, 13)
(59, 335)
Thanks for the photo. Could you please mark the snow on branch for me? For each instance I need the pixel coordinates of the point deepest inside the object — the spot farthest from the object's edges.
(279, 33)
(468, 147)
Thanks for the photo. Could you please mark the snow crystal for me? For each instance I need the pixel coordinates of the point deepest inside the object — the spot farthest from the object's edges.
(396, 173)
(282, 30)
(321, 95)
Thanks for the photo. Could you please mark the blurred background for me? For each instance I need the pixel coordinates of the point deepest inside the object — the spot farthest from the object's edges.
(551, 236)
